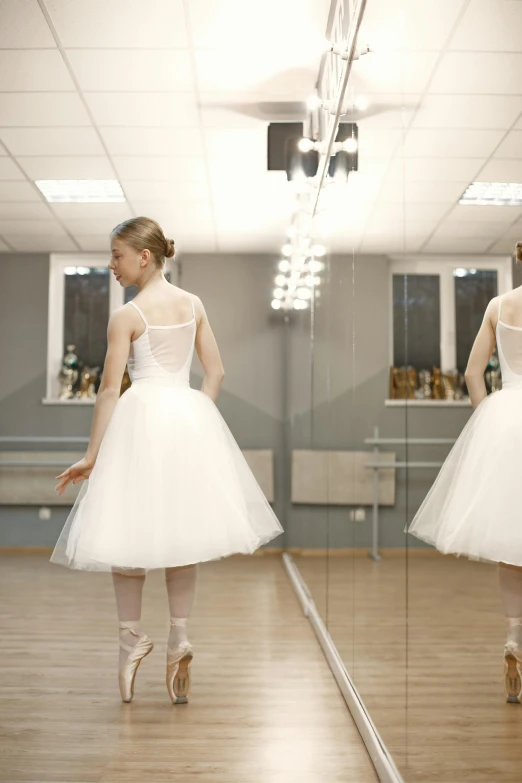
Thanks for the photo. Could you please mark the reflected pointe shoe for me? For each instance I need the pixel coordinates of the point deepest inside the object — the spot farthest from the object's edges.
(137, 653)
(179, 659)
(512, 672)
(513, 661)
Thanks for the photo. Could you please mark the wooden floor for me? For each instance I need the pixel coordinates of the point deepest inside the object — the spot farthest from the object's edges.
(423, 641)
(264, 707)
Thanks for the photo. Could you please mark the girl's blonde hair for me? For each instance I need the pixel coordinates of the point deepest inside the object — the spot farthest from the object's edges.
(518, 252)
(143, 233)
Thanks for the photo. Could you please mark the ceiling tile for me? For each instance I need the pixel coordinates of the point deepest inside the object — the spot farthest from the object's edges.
(443, 244)
(139, 109)
(42, 109)
(503, 246)
(164, 191)
(152, 141)
(476, 214)
(119, 24)
(34, 70)
(52, 141)
(218, 113)
(40, 244)
(23, 26)
(501, 170)
(435, 169)
(511, 146)
(17, 210)
(461, 228)
(423, 192)
(132, 70)
(19, 191)
(115, 212)
(490, 28)
(298, 35)
(158, 167)
(450, 143)
(94, 243)
(32, 227)
(88, 227)
(64, 167)
(218, 71)
(468, 111)
(386, 71)
(174, 213)
(409, 24)
(497, 73)
(394, 110)
(9, 169)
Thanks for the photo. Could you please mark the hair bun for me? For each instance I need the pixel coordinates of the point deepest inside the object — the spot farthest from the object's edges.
(169, 248)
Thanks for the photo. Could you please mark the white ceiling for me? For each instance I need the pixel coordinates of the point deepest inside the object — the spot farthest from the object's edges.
(167, 96)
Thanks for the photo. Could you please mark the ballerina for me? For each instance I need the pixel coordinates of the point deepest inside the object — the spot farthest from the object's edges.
(165, 484)
(473, 507)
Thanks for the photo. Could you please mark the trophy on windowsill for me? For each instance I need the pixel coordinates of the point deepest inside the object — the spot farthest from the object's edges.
(68, 374)
(88, 378)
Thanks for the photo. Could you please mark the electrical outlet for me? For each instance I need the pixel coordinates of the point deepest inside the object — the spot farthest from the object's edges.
(44, 513)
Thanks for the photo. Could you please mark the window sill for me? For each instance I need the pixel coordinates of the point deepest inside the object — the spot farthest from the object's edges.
(78, 401)
(464, 403)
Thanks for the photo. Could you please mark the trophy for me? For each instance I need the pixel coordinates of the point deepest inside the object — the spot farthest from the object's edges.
(68, 374)
(438, 388)
(424, 392)
(88, 377)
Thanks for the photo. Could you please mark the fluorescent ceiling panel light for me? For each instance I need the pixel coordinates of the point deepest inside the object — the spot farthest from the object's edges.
(493, 194)
(81, 190)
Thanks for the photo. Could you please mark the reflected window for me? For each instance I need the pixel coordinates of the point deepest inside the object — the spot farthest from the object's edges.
(86, 312)
(416, 321)
(474, 288)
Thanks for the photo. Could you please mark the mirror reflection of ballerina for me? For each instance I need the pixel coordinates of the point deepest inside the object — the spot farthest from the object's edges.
(473, 507)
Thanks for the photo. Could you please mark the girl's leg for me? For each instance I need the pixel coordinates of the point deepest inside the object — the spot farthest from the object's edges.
(181, 588)
(128, 589)
(510, 582)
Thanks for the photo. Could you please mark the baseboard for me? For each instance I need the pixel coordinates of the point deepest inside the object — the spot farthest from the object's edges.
(379, 754)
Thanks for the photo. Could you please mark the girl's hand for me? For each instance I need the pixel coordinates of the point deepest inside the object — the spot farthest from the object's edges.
(80, 471)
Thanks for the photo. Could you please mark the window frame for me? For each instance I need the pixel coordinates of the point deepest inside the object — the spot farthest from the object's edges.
(444, 266)
(55, 319)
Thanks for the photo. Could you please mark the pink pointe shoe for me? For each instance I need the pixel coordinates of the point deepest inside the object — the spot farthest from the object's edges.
(137, 653)
(178, 670)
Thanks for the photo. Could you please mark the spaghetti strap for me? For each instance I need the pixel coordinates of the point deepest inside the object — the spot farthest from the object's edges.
(193, 308)
(140, 312)
(499, 305)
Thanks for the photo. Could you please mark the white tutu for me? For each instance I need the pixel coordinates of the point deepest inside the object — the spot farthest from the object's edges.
(473, 508)
(170, 486)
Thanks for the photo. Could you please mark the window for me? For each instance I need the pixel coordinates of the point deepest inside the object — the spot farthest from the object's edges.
(438, 303)
(82, 294)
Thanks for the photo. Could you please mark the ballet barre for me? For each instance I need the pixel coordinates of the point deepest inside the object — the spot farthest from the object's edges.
(39, 439)
(376, 441)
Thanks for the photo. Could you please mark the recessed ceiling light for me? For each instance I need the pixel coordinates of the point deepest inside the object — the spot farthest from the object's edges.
(81, 190)
(493, 194)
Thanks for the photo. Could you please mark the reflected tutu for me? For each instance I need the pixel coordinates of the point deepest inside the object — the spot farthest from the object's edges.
(473, 508)
(170, 487)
